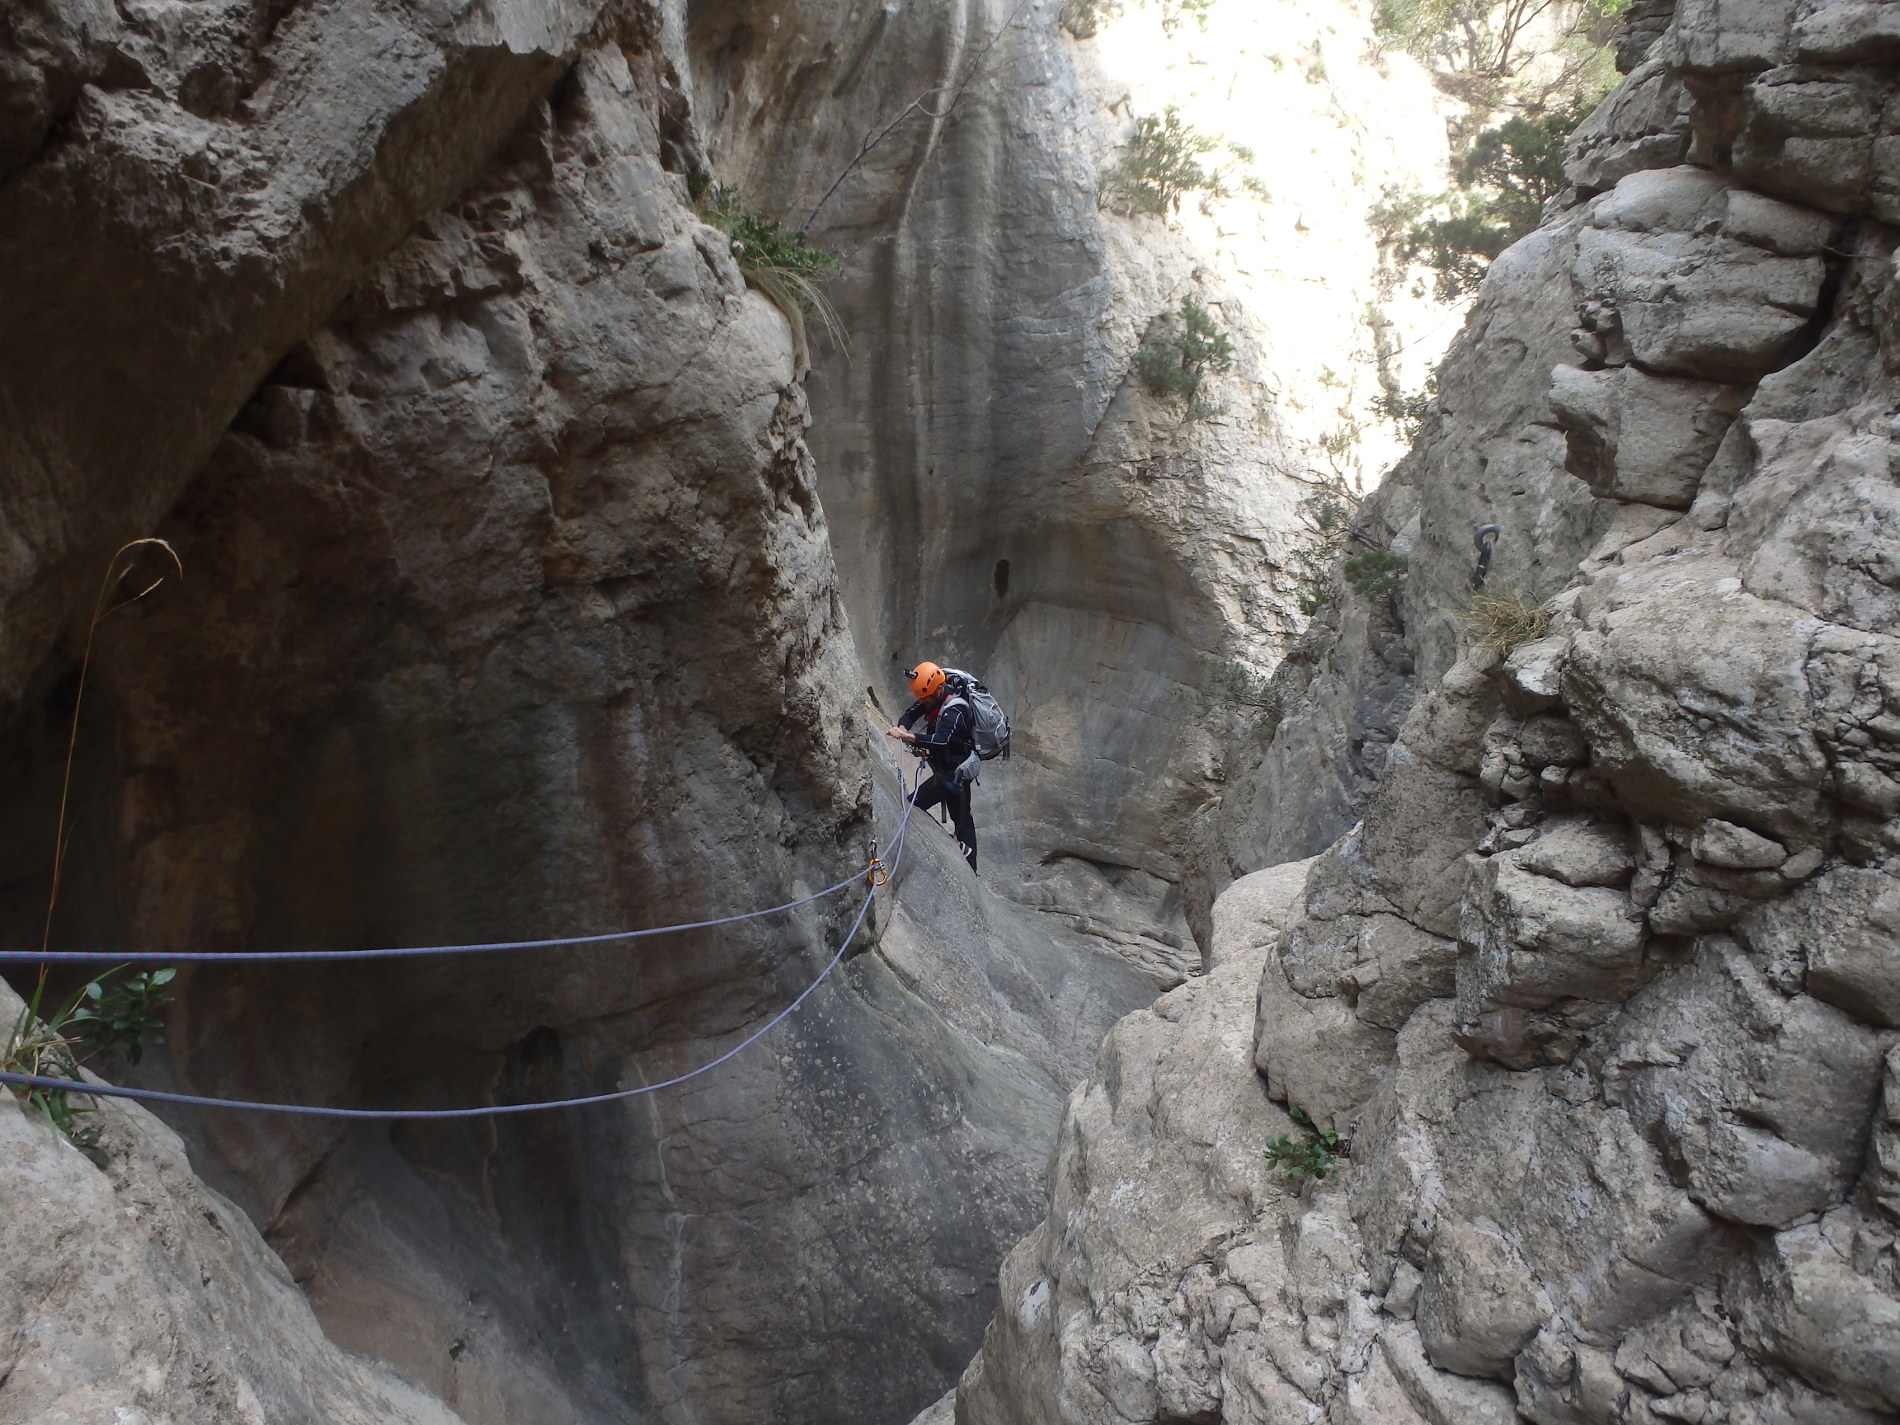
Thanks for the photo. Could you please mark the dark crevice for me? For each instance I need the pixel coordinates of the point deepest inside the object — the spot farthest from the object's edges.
(1827, 301)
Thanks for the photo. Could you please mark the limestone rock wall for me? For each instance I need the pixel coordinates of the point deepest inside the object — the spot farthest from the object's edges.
(1595, 989)
(136, 1293)
(509, 611)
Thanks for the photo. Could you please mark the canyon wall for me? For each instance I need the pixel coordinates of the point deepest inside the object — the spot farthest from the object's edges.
(510, 610)
(1004, 491)
(1597, 992)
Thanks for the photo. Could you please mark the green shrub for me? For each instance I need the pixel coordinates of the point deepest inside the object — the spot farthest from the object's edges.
(1327, 515)
(44, 1048)
(1339, 440)
(1519, 164)
(1235, 685)
(1161, 164)
(1376, 574)
(1231, 695)
(1179, 362)
(123, 1018)
(1314, 1154)
(1506, 172)
(778, 261)
(99, 1017)
(1456, 234)
(1407, 412)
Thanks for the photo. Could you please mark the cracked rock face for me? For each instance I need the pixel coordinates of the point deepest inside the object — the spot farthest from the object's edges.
(1598, 989)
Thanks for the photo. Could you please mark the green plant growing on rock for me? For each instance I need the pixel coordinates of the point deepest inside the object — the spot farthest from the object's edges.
(1519, 164)
(781, 263)
(1455, 234)
(1502, 618)
(1179, 362)
(1312, 1155)
(1503, 180)
(1375, 574)
(43, 1047)
(1161, 164)
(123, 1018)
(98, 1017)
(1231, 699)
(1237, 685)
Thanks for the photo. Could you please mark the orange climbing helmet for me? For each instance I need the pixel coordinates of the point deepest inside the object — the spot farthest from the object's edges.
(925, 680)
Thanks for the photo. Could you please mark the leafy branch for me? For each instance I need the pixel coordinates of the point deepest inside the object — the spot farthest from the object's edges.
(1502, 182)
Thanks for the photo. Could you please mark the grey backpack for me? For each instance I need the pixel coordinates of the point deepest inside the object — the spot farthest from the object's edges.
(989, 725)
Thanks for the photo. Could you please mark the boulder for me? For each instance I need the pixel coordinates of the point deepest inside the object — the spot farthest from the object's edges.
(1480, 1305)
(1666, 284)
(1844, 926)
(131, 1291)
(1633, 436)
(1529, 940)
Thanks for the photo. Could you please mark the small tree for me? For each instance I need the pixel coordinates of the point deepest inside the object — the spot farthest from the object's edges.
(1177, 364)
(1162, 164)
(1504, 179)
(1327, 516)
(1520, 163)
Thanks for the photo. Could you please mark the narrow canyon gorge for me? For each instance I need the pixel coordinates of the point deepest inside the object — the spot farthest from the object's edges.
(1436, 956)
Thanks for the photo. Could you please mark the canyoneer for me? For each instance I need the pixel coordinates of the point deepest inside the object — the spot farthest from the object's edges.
(947, 742)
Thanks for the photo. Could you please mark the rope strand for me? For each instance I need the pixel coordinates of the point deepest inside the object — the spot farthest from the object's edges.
(41, 1081)
(236, 957)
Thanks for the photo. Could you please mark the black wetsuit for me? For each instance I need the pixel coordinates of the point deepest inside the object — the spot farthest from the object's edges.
(946, 742)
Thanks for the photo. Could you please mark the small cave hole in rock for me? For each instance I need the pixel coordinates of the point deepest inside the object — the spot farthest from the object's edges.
(1001, 578)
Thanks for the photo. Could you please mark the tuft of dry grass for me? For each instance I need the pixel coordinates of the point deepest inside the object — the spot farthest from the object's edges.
(1502, 618)
(780, 263)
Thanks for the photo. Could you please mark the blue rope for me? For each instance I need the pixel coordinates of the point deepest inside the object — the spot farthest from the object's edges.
(40, 1081)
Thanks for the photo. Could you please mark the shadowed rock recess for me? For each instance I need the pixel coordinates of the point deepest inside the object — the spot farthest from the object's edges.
(529, 593)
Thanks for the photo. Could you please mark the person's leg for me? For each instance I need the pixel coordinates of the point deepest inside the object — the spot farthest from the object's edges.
(963, 822)
(928, 795)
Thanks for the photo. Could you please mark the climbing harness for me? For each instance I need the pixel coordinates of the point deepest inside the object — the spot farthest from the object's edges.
(1484, 539)
(42, 1081)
